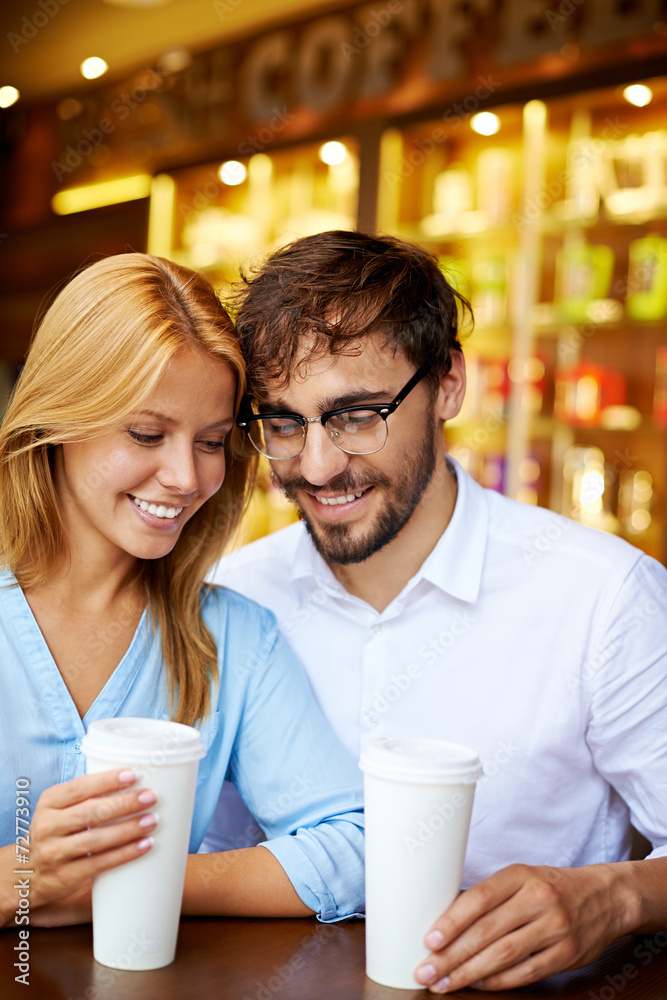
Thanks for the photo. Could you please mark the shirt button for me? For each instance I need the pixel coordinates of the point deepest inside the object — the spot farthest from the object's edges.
(76, 747)
(378, 629)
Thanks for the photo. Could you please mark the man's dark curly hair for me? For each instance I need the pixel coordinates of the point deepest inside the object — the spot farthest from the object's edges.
(329, 291)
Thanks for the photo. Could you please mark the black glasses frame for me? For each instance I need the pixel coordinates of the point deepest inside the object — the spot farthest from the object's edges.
(383, 410)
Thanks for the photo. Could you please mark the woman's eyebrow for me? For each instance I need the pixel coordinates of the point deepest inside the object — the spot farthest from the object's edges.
(227, 422)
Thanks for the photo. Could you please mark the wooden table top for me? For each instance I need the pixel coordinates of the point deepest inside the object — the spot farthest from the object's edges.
(243, 959)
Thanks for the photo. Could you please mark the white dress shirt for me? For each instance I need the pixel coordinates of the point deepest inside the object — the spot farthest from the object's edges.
(537, 642)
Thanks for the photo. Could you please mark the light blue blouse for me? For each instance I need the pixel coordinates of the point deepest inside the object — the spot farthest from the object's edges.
(265, 732)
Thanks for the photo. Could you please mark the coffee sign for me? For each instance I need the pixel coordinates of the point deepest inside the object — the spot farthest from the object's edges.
(324, 74)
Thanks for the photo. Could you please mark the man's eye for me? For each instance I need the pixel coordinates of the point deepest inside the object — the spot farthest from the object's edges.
(144, 438)
(280, 428)
(358, 419)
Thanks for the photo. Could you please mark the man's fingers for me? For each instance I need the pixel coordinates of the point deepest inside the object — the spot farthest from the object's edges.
(472, 904)
(87, 785)
(530, 970)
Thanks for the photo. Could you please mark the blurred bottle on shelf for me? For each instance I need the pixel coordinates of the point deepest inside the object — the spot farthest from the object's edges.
(635, 499)
(585, 495)
(647, 278)
(489, 299)
(584, 391)
(496, 176)
(583, 276)
(660, 390)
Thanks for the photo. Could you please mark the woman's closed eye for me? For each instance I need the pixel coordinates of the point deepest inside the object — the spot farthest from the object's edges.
(144, 438)
(153, 439)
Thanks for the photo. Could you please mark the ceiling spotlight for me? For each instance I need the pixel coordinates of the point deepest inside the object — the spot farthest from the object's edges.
(332, 153)
(232, 172)
(8, 96)
(174, 60)
(485, 123)
(638, 94)
(93, 67)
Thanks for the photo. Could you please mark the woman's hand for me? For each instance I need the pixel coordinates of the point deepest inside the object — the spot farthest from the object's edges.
(77, 831)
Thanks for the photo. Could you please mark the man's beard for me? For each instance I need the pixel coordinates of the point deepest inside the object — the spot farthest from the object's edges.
(402, 496)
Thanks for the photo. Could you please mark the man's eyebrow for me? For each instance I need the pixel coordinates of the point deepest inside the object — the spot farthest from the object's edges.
(228, 422)
(353, 398)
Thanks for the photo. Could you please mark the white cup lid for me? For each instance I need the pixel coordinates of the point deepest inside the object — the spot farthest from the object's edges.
(149, 741)
(421, 760)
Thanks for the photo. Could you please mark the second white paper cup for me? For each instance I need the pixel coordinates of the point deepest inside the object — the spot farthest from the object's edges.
(137, 906)
(418, 796)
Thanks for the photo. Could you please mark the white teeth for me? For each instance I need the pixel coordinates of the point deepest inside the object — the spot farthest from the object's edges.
(158, 510)
(333, 501)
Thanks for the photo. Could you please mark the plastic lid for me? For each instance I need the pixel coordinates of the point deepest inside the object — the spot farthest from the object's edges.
(149, 741)
(420, 760)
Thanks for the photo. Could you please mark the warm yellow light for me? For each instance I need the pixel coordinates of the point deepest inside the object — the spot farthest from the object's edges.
(485, 123)
(232, 172)
(332, 153)
(81, 199)
(638, 94)
(8, 96)
(639, 521)
(93, 67)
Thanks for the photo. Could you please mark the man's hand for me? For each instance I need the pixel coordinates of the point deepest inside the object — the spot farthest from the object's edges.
(525, 923)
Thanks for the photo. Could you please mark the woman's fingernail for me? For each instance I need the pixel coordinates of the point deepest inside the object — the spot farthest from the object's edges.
(426, 974)
(144, 844)
(147, 821)
(435, 939)
(147, 797)
(441, 986)
(127, 776)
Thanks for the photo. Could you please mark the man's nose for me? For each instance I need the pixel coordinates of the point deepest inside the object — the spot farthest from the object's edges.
(320, 459)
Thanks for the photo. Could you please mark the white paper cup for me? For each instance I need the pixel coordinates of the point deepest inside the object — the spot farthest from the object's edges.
(137, 906)
(418, 800)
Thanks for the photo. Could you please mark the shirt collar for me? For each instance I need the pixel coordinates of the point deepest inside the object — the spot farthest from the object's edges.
(454, 565)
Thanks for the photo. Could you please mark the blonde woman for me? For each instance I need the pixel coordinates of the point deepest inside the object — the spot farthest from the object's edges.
(122, 477)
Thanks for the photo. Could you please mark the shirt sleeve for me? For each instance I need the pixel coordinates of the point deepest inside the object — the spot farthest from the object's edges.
(300, 783)
(627, 676)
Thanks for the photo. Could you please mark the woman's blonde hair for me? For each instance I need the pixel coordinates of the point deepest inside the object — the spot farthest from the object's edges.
(99, 351)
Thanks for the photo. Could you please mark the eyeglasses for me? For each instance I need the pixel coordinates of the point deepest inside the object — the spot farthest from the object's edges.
(357, 430)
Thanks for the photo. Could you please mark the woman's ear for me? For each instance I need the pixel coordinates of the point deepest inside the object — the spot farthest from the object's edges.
(452, 388)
